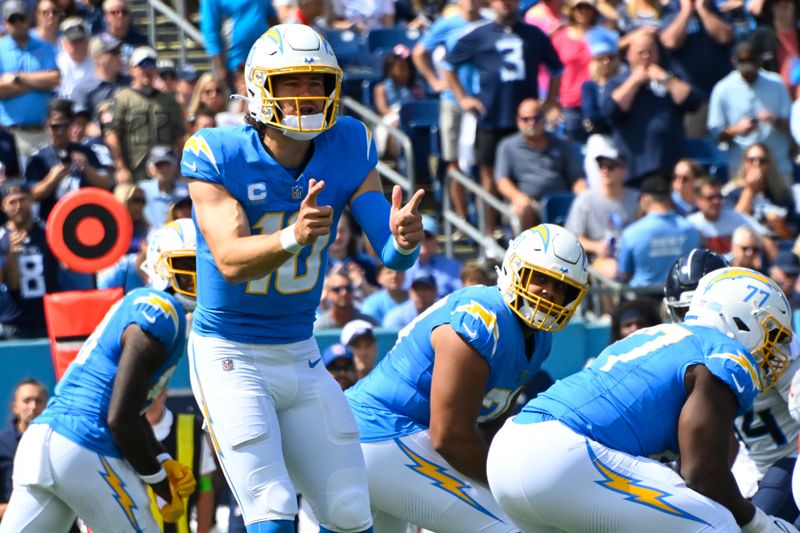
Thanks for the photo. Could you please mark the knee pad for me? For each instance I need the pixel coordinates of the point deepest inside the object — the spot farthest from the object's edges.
(350, 513)
(272, 497)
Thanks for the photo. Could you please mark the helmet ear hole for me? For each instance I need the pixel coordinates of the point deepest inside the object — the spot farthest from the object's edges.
(740, 324)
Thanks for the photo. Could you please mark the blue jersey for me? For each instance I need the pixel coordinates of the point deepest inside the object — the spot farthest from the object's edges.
(507, 64)
(639, 380)
(394, 399)
(79, 409)
(280, 307)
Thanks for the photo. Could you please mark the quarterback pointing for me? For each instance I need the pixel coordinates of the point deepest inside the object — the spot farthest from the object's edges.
(91, 451)
(267, 199)
(459, 364)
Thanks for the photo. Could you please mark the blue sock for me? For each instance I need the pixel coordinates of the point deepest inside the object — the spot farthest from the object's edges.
(272, 526)
(326, 530)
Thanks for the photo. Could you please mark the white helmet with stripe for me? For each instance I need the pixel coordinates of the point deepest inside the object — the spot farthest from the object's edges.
(555, 252)
(750, 308)
(171, 260)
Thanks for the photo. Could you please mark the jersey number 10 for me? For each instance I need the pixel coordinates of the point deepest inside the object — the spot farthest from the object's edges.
(287, 279)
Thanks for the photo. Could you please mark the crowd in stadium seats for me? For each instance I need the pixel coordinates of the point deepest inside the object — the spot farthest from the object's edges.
(541, 103)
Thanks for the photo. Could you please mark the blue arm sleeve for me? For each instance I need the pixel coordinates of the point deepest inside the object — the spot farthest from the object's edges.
(371, 210)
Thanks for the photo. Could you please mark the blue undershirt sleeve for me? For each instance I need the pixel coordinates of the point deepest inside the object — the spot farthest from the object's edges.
(371, 210)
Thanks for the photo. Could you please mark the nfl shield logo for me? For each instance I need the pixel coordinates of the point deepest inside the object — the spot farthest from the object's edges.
(297, 192)
(227, 365)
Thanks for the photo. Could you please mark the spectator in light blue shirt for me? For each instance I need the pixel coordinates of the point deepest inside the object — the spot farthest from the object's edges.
(230, 27)
(422, 295)
(390, 296)
(650, 246)
(28, 76)
(165, 187)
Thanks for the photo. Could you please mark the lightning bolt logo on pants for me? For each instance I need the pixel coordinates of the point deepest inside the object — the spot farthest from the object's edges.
(441, 478)
(120, 494)
(637, 492)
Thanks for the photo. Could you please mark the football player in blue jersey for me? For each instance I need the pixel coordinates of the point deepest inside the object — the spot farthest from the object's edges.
(91, 452)
(579, 456)
(769, 429)
(461, 363)
(267, 198)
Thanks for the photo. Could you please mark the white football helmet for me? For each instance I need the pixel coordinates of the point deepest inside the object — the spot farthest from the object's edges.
(555, 252)
(171, 260)
(750, 308)
(291, 49)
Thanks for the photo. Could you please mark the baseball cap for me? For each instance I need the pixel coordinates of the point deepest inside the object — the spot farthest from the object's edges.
(14, 186)
(143, 56)
(429, 225)
(424, 278)
(602, 41)
(103, 44)
(187, 73)
(165, 65)
(609, 152)
(161, 153)
(14, 7)
(355, 329)
(655, 185)
(334, 352)
(787, 261)
(74, 28)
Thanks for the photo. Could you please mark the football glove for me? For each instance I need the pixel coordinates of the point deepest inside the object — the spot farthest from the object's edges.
(172, 511)
(764, 523)
(180, 477)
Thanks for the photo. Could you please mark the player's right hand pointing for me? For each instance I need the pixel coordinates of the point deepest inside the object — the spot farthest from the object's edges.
(313, 221)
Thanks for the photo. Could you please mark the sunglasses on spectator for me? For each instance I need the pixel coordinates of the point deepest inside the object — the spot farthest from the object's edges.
(757, 160)
(683, 177)
(609, 165)
(119, 12)
(341, 367)
(531, 118)
(342, 288)
(58, 126)
(16, 19)
(712, 197)
(212, 91)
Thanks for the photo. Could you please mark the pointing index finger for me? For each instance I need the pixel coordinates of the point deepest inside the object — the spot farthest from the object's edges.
(416, 200)
(314, 188)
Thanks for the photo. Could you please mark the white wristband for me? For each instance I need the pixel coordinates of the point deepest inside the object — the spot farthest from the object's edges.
(289, 241)
(401, 250)
(152, 479)
(163, 457)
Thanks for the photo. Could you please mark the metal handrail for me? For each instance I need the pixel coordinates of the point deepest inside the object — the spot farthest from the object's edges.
(408, 183)
(482, 199)
(179, 19)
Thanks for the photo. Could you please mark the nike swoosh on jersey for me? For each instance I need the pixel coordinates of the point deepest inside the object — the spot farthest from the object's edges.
(312, 364)
(191, 166)
(736, 382)
(149, 318)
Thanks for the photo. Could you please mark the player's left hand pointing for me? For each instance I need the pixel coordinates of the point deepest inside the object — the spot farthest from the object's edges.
(405, 222)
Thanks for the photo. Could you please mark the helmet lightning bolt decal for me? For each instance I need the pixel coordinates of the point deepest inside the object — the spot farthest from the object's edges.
(120, 494)
(441, 478)
(637, 492)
